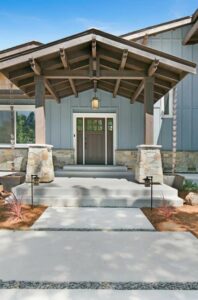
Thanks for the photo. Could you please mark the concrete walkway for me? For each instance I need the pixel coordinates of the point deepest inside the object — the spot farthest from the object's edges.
(96, 295)
(95, 218)
(89, 258)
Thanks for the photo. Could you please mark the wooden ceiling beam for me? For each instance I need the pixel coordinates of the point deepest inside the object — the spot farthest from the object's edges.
(122, 66)
(66, 65)
(20, 74)
(38, 71)
(168, 75)
(93, 62)
(85, 74)
(152, 69)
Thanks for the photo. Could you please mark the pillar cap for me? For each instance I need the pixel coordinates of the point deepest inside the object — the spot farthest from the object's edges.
(40, 146)
(148, 146)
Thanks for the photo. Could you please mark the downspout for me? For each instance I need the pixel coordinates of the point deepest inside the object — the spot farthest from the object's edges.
(174, 130)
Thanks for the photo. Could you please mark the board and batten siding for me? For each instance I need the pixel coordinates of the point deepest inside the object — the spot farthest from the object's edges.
(59, 118)
(187, 92)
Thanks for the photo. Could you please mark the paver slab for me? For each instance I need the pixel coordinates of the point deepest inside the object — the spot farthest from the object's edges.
(69, 256)
(96, 295)
(93, 218)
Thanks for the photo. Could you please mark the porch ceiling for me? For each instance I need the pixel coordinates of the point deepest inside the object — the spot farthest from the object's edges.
(95, 59)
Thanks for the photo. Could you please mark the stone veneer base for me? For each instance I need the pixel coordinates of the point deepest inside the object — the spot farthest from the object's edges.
(186, 161)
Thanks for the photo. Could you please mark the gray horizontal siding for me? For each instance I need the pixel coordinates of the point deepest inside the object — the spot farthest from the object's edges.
(187, 106)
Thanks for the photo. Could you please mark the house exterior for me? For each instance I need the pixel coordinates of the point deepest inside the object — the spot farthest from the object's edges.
(134, 77)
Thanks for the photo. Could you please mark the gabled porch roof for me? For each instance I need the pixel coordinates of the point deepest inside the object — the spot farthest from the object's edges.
(94, 59)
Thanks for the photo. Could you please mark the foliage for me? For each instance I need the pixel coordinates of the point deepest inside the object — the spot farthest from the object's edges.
(15, 207)
(189, 185)
(25, 128)
(167, 211)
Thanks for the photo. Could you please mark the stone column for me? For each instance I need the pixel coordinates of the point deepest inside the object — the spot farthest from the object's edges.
(40, 163)
(149, 163)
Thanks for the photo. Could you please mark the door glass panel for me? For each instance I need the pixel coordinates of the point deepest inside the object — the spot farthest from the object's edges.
(79, 124)
(110, 124)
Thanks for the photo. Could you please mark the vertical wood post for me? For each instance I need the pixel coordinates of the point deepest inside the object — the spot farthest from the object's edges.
(40, 109)
(148, 110)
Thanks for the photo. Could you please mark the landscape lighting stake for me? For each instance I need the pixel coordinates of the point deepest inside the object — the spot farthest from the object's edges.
(34, 181)
(148, 182)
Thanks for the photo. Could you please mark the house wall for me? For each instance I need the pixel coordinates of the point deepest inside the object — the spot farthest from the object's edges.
(130, 125)
(187, 104)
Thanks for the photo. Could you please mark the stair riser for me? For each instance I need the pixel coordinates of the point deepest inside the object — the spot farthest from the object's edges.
(77, 168)
(138, 203)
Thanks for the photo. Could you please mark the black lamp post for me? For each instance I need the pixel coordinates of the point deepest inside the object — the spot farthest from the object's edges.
(148, 182)
(34, 181)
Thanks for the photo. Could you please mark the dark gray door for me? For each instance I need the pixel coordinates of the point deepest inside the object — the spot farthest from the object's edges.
(95, 141)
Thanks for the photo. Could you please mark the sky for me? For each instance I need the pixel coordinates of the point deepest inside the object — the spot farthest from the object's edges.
(48, 20)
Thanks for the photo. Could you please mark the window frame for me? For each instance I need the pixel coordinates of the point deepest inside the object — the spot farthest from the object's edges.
(16, 108)
(170, 108)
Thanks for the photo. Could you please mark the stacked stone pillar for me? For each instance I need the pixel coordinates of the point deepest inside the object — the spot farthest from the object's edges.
(149, 163)
(40, 163)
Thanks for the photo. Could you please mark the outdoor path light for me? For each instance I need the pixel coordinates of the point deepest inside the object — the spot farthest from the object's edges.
(148, 182)
(34, 181)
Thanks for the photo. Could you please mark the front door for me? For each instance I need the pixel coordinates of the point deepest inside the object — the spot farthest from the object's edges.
(95, 141)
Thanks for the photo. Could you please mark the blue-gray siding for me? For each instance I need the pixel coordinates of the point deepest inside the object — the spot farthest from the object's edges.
(59, 117)
(187, 108)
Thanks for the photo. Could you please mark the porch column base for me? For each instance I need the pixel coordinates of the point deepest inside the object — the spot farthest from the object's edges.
(149, 163)
(40, 163)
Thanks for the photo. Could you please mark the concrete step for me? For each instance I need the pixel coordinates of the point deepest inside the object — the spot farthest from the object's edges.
(95, 174)
(95, 168)
(97, 192)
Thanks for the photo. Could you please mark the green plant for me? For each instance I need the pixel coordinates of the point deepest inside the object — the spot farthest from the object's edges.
(189, 185)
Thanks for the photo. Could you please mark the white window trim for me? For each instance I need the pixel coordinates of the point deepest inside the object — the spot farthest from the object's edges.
(16, 108)
(95, 115)
(170, 115)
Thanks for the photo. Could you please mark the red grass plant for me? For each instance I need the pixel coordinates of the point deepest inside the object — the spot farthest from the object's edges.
(15, 207)
(166, 211)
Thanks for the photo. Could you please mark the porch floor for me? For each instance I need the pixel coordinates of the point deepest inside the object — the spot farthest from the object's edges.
(97, 192)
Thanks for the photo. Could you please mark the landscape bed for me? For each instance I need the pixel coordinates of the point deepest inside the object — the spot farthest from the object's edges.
(184, 218)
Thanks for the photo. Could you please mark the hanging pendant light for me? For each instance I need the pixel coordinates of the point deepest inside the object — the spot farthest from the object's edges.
(95, 103)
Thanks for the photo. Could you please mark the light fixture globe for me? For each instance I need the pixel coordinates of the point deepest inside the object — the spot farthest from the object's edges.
(95, 103)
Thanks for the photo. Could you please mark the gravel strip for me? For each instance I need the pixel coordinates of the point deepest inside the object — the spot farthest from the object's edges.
(90, 229)
(99, 285)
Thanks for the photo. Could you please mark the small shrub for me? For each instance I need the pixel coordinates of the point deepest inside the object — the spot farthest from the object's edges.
(15, 207)
(189, 185)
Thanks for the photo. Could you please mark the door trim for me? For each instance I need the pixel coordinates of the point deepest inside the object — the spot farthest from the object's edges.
(94, 115)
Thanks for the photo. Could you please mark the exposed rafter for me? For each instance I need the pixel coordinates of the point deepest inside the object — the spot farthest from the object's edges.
(93, 62)
(122, 66)
(66, 65)
(152, 69)
(37, 70)
(190, 33)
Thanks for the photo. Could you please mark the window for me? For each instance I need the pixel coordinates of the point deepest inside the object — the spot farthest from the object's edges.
(5, 127)
(23, 122)
(166, 105)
